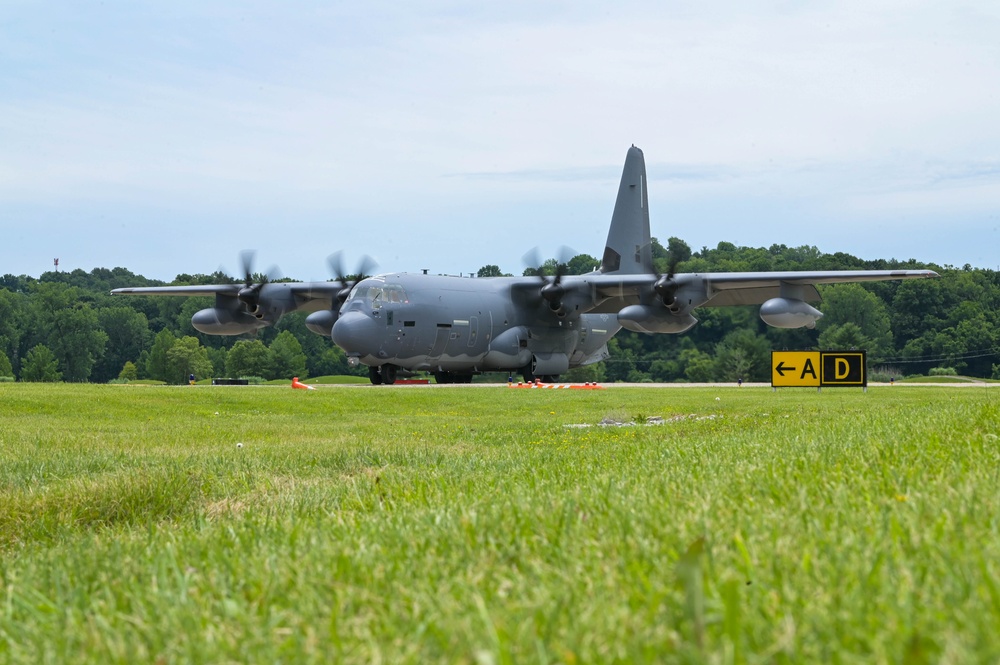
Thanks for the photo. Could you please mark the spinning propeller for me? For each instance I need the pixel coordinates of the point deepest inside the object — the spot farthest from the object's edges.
(249, 295)
(665, 285)
(552, 289)
(321, 322)
(335, 262)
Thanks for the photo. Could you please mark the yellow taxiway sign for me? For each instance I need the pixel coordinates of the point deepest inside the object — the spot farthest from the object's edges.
(818, 369)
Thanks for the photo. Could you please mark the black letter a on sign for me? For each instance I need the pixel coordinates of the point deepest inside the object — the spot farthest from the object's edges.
(809, 369)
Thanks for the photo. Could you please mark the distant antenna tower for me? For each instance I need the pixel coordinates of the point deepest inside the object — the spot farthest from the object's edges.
(56, 262)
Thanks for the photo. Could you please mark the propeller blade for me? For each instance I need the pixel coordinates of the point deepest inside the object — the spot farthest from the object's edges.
(336, 264)
(246, 265)
(273, 274)
(532, 263)
(366, 267)
(665, 285)
(249, 295)
(552, 289)
(672, 265)
(566, 255)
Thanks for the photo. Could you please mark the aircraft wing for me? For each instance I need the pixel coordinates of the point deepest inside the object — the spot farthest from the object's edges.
(742, 280)
(742, 288)
(243, 308)
(301, 290)
(197, 290)
(752, 288)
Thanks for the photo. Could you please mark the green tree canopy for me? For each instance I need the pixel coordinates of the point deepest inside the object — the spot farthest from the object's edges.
(186, 357)
(40, 366)
(581, 264)
(678, 250)
(489, 271)
(14, 309)
(852, 303)
(157, 366)
(743, 354)
(6, 369)
(332, 361)
(287, 358)
(248, 358)
(699, 367)
(128, 334)
(845, 336)
(129, 371)
(69, 328)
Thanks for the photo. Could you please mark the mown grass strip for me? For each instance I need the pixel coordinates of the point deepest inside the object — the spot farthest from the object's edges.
(480, 525)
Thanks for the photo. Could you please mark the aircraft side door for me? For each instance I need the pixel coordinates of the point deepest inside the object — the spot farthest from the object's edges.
(480, 333)
(441, 338)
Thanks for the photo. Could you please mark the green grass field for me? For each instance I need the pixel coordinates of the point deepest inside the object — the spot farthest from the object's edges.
(487, 525)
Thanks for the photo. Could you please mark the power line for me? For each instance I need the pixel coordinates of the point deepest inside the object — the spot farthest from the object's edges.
(968, 355)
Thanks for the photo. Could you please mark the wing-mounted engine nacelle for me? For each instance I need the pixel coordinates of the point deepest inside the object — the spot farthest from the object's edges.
(571, 304)
(789, 313)
(654, 319)
(566, 301)
(321, 322)
(219, 321)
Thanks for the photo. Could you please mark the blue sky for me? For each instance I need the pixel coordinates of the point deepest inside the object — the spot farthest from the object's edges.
(167, 137)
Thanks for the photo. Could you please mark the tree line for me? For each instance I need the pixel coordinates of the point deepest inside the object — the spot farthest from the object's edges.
(65, 326)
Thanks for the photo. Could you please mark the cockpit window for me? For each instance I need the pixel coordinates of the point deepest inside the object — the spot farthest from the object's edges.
(379, 294)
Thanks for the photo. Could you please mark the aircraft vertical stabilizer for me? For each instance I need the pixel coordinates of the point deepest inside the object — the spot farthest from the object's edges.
(628, 249)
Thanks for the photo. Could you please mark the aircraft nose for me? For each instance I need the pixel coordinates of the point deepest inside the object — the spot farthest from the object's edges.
(354, 333)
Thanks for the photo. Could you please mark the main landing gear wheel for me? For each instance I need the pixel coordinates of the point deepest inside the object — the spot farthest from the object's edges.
(388, 374)
(374, 375)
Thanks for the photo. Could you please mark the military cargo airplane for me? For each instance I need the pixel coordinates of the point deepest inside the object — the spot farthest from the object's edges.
(540, 327)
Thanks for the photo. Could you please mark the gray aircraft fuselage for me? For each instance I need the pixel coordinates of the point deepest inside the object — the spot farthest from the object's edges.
(462, 326)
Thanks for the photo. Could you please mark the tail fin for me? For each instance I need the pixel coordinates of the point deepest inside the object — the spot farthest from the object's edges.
(628, 249)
